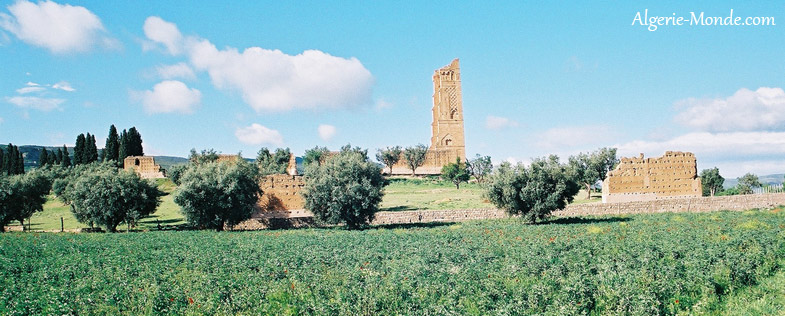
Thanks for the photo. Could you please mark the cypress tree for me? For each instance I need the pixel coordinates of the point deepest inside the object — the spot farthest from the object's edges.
(90, 149)
(122, 148)
(58, 156)
(112, 148)
(10, 160)
(135, 142)
(2, 161)
(79, 150)
(43, 158)
(66, 158)
(20, 162)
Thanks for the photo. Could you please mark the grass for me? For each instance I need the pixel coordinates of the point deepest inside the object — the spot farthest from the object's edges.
(430, 193)
(667, 264)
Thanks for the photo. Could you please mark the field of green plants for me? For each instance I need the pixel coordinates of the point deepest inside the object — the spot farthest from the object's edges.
(641, 264)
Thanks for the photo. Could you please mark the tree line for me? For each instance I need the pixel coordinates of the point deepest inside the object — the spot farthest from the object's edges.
(85, 151)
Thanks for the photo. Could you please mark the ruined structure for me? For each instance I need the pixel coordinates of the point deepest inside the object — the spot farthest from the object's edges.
(674, 175)
(281, 193)
(144, 166)
(447, 141)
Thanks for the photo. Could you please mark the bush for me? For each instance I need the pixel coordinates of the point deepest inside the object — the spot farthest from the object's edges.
(345, 189)
(104, 195)
(176, 172)
(455, 172)
(216, 194)
(22, 195)
(533, 192)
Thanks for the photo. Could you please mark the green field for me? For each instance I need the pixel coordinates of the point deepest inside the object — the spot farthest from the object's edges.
(710, 263)
(402, 193)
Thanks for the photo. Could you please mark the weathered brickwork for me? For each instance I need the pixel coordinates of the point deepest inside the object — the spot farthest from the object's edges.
(447, 136)
(281, 195)
(300, 218)
(673, 175)
(144, 166)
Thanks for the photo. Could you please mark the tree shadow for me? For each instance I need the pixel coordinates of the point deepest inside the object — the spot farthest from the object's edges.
(161, 221)
(400, 208)
(411, 225)
(585, 220)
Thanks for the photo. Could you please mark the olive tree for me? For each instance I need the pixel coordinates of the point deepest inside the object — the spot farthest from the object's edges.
(480, 167)
(748, 182)
(346, 189)
(712, 181)
(389, 156)
(216, 194)
(532, 192)
(455, 172)
(415, 156)
(104, 195)
(315, 155)
(272, 163)
(591, 167)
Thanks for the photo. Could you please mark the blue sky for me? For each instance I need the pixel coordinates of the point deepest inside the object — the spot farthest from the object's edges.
(537, 77)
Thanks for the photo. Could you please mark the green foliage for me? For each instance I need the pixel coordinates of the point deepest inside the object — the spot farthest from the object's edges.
(480, 167)
(112, 146)
(12, 161)
(748, 182)
(415, 156)
(107, 196)
(592, 167)
(130, 143)
(212, 195)
(43, 158)
(346, 188)
(657, 264)
(532, 192)
(389, 156)
(205, 156)
(176, 172)
(79, 150)
(272, 163)
(455, 172)
(711, 181)
(22, 195)
(315, 155)
(66, 159)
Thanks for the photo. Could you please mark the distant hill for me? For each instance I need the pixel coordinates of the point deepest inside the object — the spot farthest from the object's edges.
(167, 162)
(776, 178)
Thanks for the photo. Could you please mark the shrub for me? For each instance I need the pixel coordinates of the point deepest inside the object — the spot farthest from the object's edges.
(345, 189)
(455, 172)
(216, 194)
(533, 192)
(106, 196)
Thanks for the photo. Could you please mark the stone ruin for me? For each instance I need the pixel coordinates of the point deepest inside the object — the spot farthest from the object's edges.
(447, 141)
(144, 166)
(281, 194)
(674, 175)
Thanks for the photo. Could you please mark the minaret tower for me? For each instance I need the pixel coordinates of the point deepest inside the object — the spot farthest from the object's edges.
(447, 126)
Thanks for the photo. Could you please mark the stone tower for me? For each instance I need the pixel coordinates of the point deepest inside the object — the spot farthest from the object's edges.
(447, 126)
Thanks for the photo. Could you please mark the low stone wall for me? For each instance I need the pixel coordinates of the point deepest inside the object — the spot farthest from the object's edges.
(303, 218)
(695, 204)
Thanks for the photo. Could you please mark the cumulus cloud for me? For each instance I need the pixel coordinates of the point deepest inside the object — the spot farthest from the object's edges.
(170, 96)
(497, 122)
(179, 70)
(60, 28)
(36, 103)
(745, 110)
(256, 134)
(25, 90)
(270, 80)
(326, 132)
(166, 33)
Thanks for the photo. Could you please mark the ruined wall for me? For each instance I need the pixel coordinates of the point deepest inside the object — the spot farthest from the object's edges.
(280, 195)
(144, 166)
(447, 134)
(673, 175)
(676, 205)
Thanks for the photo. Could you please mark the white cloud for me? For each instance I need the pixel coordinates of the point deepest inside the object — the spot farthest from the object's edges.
(256, 134)
(63, 85)
(170, 96)
(745, 110)
(270, 80)
(497, 122)
(32, 89)
(326, 132)
(166, 33)
(382, 104)
(179, 70)
(735, 153)
(30, 83)
(36, 103)
(58, 28)
(561, 137)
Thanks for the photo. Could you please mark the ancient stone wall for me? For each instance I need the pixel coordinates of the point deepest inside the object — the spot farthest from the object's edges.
(673, 175)
(280, 195)
(676, 205)
(144, 166)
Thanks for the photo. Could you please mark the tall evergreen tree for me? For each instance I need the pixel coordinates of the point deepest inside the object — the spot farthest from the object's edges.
(112, 148)
(79, 150)
(135, 142)
(58, 156)
(10, 160)
(20, 162)
(122, 148)
(66, 158)
(43, 158)
(91, 150)
(2, 161)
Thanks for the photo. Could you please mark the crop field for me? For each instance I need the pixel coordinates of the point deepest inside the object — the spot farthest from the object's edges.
(643, 264)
